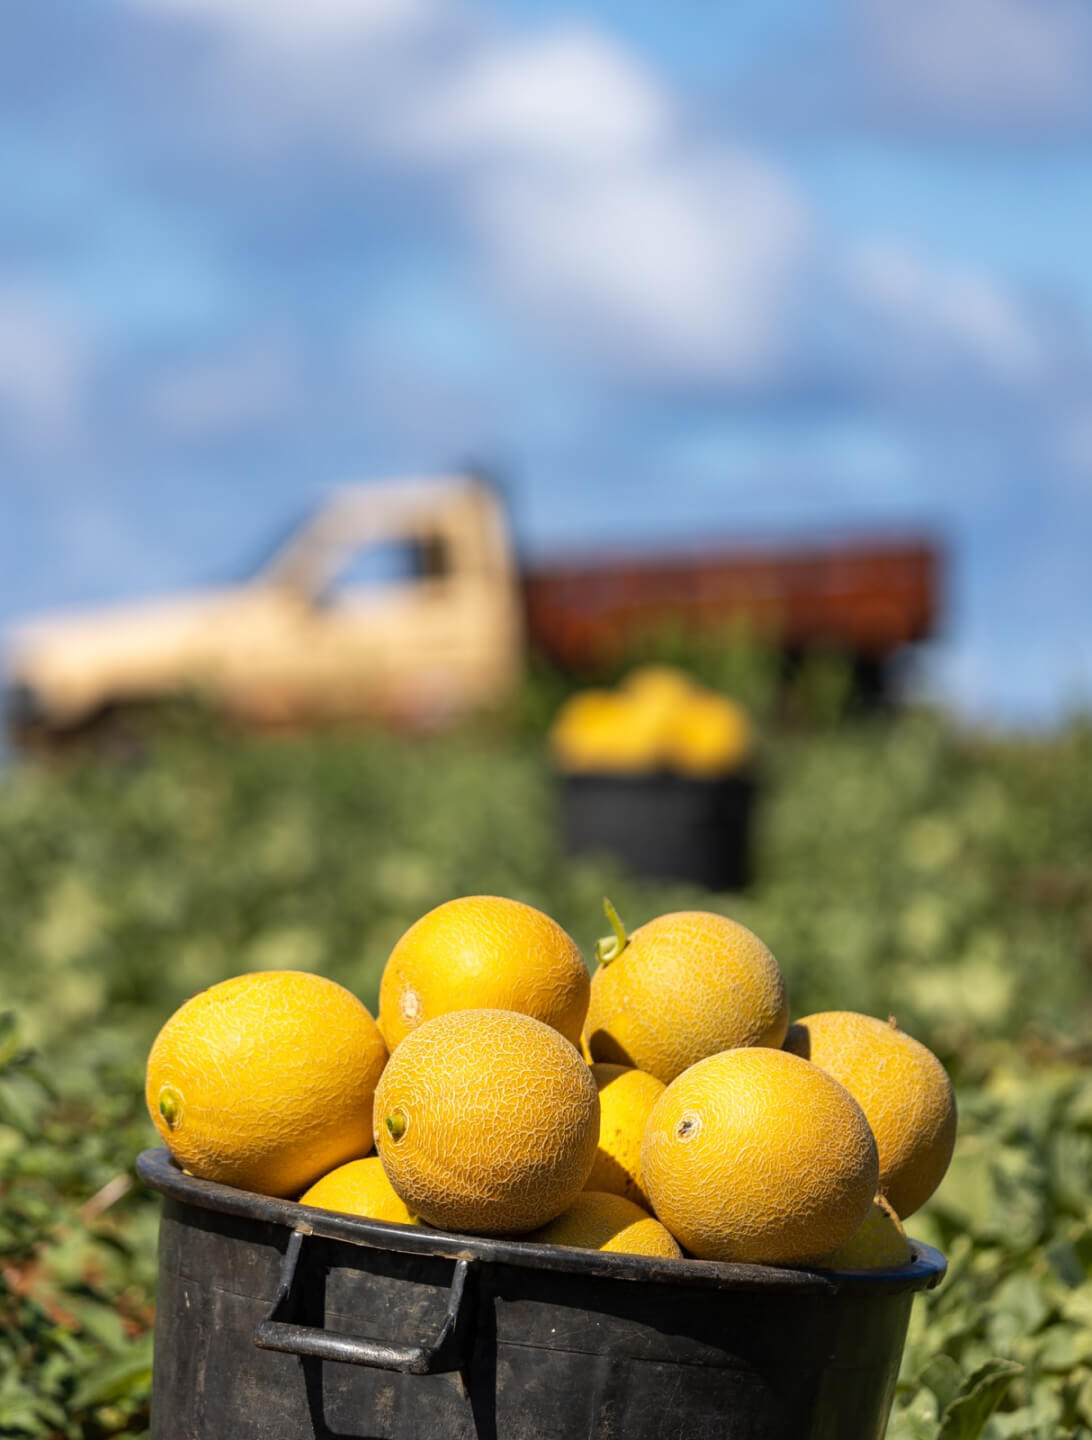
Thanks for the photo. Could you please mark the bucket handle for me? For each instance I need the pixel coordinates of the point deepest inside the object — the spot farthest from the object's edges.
(443, 1353)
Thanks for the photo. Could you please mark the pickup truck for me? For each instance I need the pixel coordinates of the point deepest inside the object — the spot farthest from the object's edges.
(404, 602)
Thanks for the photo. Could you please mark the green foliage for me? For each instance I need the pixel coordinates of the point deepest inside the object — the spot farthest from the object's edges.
(903, 868)
(76, 1247)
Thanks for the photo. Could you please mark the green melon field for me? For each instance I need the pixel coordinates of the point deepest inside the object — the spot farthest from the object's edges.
(904, 868)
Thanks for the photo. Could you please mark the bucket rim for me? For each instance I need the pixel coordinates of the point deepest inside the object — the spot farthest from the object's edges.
(161, 1173)
(658, 778)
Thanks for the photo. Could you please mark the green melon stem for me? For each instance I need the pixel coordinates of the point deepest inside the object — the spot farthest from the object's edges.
(611, 946)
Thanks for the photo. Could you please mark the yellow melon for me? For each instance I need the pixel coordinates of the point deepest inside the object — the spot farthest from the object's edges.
(680, 988)
(606, 731)
(657, 683)
(266, 1081)
(598, 1220)
(483, 952)
(902, 1088)
(708, 735)
(626, 1098)
(656, 695)
(359, 1188)
(879, 1244)
(486, 1121)
(579, 726)
(756, 1155)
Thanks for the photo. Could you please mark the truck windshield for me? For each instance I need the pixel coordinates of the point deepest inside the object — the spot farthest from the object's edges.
(283, 535)
(371, 567)
(399, 559)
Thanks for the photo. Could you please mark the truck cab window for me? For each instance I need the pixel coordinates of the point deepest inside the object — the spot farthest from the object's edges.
(389, 564)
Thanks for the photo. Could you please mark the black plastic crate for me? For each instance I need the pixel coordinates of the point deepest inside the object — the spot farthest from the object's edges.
(666, 825)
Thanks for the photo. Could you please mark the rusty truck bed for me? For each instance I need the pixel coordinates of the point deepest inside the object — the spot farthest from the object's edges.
(868, 598)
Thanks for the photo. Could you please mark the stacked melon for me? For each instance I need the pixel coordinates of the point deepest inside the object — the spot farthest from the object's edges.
(657, 719)
(691, 1119)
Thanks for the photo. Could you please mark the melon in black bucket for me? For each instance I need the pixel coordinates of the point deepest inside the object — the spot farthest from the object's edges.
(276, 1321)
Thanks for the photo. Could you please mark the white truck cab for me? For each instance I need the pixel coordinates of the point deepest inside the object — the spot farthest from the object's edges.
(396, 601)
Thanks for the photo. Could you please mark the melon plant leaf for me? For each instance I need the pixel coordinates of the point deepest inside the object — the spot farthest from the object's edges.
(942, 1377)
(965, 1418)
(130, 1374)
(9, 1038)
(911, 1425)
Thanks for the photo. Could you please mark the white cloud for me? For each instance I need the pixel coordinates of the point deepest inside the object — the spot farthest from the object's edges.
(599, 218)
(667, 267)
(1008, 63)
(599, 221)
(569, 96)
(597, 215)
(42, 369)
(930, 311)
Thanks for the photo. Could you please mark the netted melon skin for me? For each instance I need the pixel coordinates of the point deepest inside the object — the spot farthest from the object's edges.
(601, 1220)
(360, 1187)
(755, 1155)
(626, 1098)
(274, 1075)
(483, 952)
(879, 1243)
(903, 1090)
(499, 1122)
(687, 985)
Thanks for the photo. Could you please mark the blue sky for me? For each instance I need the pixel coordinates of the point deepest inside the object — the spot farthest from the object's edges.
(680, 271)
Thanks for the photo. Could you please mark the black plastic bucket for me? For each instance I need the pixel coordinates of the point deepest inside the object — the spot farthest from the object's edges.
(276, 1321)
(664, 825)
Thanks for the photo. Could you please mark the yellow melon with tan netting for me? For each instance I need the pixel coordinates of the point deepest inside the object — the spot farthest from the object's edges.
(266, 1081)
(483, 952)
(879, 1243)
(708, 735)
(486, 1121)
(661, 685)
(626, 1098)
(360, 1188)
(756, 1155)
(680, 988)
(600, 1220)
(606, 730)
(902, 1088)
